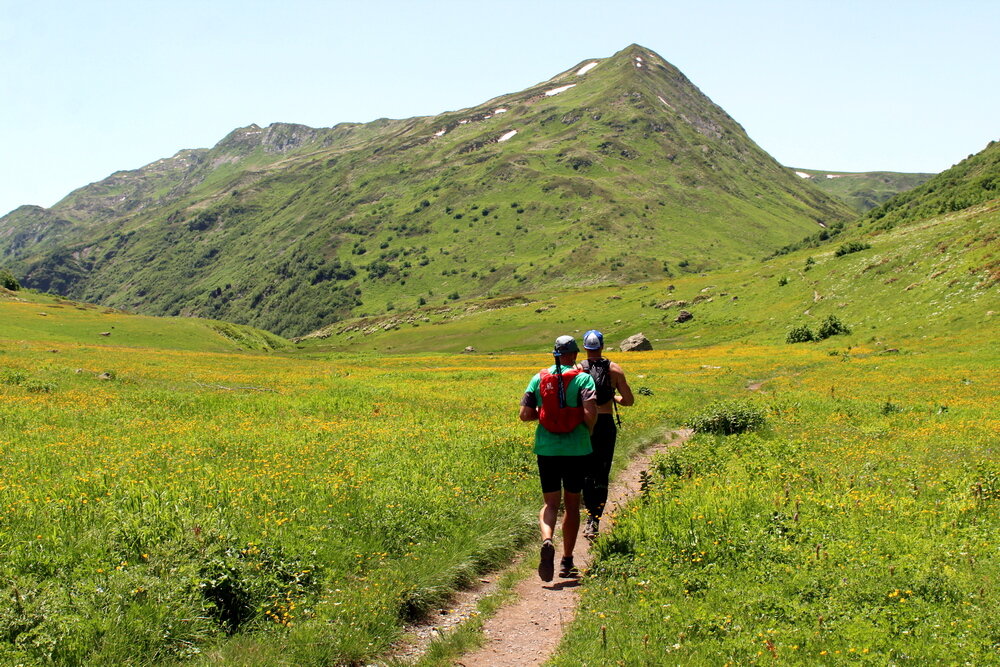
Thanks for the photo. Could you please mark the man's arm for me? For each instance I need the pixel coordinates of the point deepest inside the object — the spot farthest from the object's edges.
(621, 384)
(529, 412)
(588, 400)
(590, 412)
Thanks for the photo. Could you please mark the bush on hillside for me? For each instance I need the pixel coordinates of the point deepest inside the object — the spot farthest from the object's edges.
(728, 417)
(831, 326)
(851, 246)
(801, 334)
(8, 281)
(812, 241)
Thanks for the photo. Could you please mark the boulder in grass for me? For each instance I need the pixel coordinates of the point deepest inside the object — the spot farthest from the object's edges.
(683, 316)
(636, 343)
(469, 350)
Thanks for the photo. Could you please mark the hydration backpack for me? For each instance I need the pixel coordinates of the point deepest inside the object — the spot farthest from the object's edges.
(601, 372)
(554, 415)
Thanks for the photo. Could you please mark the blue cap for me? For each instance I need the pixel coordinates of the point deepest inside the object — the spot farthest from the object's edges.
(593, 340)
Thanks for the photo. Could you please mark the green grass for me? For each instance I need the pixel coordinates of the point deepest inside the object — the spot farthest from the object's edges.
(38, 318)
(247, 508)
(167, 505)
(922, 279)
(856, 527)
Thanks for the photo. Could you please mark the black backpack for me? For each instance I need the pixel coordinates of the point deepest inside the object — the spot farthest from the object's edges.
(601, 372)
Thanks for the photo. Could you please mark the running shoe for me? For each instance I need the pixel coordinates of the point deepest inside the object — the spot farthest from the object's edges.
(591, 528)
(546, 561)
(566, 568)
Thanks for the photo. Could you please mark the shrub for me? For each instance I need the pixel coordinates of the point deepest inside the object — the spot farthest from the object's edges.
(8, 281)
(831, 326)
(728, 417)
(13, 377)
(802, 334)
(852, 246)
(889, 408)
(782, 281)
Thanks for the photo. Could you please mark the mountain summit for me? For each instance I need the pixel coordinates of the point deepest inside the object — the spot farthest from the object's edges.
(617, 169)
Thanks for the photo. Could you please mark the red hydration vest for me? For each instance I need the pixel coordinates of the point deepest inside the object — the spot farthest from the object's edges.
(554, 417)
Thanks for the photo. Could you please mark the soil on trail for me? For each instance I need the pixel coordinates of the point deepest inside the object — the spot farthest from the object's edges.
(528, 630)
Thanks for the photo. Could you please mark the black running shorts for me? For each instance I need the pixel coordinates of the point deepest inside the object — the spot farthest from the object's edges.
(562, 472)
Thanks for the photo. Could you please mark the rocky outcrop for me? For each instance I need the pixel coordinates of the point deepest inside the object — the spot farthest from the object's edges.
(636, 343)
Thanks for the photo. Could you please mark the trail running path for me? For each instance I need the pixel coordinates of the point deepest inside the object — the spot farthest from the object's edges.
(527, 631)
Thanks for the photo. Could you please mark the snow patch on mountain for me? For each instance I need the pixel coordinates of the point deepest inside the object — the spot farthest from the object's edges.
(638, 61)
(802, 174)
(498, 111)
(440, 133)
(665, 102)
(507, 136)
(586, 68)
(560, 89)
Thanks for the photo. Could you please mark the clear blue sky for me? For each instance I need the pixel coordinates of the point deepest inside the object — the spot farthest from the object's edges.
(91, 87)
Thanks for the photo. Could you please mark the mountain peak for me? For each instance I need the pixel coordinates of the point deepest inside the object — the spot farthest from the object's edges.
(275, 138)
(618, 169)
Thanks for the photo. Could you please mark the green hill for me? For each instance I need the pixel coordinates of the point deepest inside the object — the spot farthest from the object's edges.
(970, 182)
(924, 279)
(50, 320)
(913, 277)
(616, 170)
(862, 191)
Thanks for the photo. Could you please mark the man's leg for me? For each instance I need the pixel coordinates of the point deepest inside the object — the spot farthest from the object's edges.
(571, 523)
(547, 524)
(596, 480)
(547, 516)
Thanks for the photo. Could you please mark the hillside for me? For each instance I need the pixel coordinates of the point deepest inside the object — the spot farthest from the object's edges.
(924, 279)
(972, 181)
(914, 277)
(42, 319)
(865, 190)
(615, 170)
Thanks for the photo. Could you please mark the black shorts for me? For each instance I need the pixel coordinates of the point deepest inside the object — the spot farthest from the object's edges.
(562, 472)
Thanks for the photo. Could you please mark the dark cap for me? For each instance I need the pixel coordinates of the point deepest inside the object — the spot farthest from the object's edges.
(565, 345)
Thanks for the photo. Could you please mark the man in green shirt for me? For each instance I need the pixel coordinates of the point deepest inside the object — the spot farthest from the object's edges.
(563, 400)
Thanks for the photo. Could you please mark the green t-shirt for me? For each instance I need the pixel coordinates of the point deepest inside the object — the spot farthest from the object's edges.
(577, 441)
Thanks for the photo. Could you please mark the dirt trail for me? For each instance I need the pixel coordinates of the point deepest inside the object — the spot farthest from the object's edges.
(527, 631)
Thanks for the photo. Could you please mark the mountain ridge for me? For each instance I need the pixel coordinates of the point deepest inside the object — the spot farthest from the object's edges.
(605, 172)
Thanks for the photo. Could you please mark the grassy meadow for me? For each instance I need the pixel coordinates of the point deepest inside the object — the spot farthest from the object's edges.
(163, 505)
(187, 491)
(857, 527)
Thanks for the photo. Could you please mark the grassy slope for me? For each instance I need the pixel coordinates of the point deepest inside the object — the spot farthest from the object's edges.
(920, 279)
(972, 181)
(43, 318)
(864, 191)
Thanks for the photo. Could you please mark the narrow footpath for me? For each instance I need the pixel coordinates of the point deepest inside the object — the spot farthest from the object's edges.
(527, 631)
